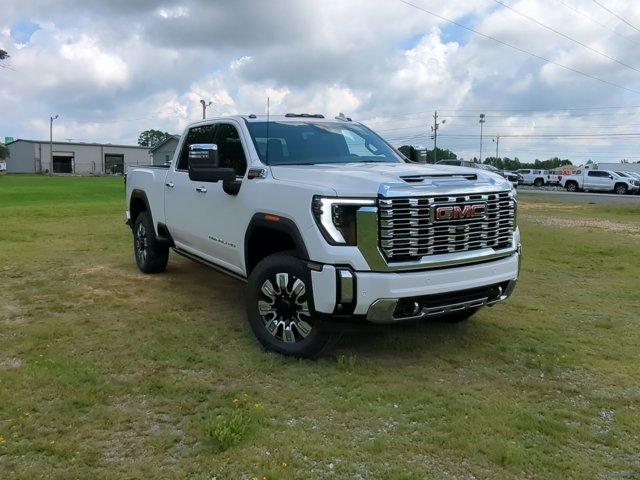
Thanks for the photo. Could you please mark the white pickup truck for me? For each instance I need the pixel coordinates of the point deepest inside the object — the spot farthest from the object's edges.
(600, 181)
(328, 224)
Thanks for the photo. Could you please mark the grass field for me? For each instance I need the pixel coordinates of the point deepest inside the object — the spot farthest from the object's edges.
(107, 373)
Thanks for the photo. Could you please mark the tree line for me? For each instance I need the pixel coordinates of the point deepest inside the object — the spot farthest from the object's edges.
(502, 163)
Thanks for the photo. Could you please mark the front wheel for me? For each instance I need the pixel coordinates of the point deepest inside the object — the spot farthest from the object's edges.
(572, 187)
(280, 307)
(538, 182)
(621, 189)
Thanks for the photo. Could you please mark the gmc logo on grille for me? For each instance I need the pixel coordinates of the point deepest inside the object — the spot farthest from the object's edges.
(460, 212)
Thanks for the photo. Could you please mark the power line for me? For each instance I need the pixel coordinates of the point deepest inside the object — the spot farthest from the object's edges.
(597, 22)
(563, 35)
(616, 15)
(540, 57)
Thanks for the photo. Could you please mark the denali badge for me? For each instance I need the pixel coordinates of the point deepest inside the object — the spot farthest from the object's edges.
(459, 212)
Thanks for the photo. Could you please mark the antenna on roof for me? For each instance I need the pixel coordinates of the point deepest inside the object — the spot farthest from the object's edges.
(268, 112)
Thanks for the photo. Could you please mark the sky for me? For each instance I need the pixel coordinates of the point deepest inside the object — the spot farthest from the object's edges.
(113, 69)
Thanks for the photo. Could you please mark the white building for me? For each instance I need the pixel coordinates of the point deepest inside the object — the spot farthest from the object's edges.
(615, 166)
(32, 156)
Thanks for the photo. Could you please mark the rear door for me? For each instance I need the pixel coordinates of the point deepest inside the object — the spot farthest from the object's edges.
(183, 203)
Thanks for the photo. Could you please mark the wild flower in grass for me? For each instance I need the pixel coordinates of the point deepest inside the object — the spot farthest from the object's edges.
(2, 440)
(284, 465)
(236, 402)
(257, 406)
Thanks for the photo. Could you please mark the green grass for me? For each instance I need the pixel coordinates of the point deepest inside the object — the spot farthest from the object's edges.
(107, 373)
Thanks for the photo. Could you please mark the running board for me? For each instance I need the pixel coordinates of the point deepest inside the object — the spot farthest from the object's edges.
(207, 263)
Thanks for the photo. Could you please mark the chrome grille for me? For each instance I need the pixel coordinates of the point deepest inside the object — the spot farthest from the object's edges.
(407, 229)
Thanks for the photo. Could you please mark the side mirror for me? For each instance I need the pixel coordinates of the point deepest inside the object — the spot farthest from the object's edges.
(204, 164)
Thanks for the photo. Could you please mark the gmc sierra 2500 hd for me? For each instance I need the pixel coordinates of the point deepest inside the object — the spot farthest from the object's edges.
(328, 224)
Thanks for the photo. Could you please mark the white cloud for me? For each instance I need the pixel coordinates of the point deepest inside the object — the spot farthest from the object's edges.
(112, 69)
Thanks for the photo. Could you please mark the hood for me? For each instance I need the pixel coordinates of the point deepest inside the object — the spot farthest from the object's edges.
(391, 179)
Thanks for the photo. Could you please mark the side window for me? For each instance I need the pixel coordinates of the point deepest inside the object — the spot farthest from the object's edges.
(202, 134)
(230, 149)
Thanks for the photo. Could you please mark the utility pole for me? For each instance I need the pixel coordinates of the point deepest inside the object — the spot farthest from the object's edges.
(434, 129)
(497, 140)
(481, 125)
(51, 119)
(204, 108)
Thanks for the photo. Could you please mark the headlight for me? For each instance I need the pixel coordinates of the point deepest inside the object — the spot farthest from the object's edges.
(336, 218)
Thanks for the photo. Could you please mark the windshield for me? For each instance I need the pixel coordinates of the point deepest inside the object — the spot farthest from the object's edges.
(296, 143)
(622, 174)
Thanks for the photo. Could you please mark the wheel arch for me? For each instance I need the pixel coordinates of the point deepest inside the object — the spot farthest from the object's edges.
(138, 203)
(268, 234)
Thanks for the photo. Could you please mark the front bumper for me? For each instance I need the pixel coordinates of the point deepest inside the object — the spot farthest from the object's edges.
(379, 295)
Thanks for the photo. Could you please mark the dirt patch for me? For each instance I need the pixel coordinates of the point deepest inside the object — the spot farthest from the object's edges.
(11, 363)
(572, 223)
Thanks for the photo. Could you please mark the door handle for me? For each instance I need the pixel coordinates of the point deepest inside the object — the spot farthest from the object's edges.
(169, 185)
(201, 189)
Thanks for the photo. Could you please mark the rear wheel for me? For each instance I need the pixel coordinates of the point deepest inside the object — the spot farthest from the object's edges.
(571, 187)
(280, 307)
(538, 182)
(151, 255)
(621, 189)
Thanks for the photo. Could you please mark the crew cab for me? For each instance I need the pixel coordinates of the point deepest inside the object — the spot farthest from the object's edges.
(328, 224)
(600, 181)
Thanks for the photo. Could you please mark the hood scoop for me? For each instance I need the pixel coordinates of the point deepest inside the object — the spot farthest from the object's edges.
(439, 176)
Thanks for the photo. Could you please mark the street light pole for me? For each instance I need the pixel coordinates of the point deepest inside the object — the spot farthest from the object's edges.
(51, 119)
(481, 125)
(204, 108)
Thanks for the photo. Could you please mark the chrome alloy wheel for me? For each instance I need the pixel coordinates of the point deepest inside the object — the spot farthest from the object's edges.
(284, 308)
(141, 242)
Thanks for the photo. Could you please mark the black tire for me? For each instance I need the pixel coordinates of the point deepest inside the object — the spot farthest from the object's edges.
(151, 256)
(571, 187)
(457, 317)
(538, 182)
(280, 307)
(621, 189)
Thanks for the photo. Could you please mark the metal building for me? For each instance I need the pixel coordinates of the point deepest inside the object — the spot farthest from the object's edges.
(163, 152)
(32, 156)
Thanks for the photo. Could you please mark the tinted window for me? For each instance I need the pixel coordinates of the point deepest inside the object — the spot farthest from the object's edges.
(230, 149)
(524, 171)
(449, 162)
(202, 134)
(595, 173)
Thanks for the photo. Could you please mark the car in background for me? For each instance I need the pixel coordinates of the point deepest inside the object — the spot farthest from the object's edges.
(537, 178)
(513, 178)
(600, 180)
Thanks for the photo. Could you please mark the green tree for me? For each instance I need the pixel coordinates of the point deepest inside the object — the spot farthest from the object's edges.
(410, 152)
(151, 138)
(3, 54)
(441, 154)
(4, 152)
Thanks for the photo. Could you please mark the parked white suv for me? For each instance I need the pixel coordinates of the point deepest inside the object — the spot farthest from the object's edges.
(328, 224)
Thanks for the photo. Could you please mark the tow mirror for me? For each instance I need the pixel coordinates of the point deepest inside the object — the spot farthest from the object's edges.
(204, 164)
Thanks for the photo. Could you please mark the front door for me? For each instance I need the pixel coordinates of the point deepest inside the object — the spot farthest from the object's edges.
(201, 216)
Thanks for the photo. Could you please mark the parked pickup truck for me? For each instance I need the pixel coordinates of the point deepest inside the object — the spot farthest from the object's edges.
(328, 224)
(600, 180)
(538, 178)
